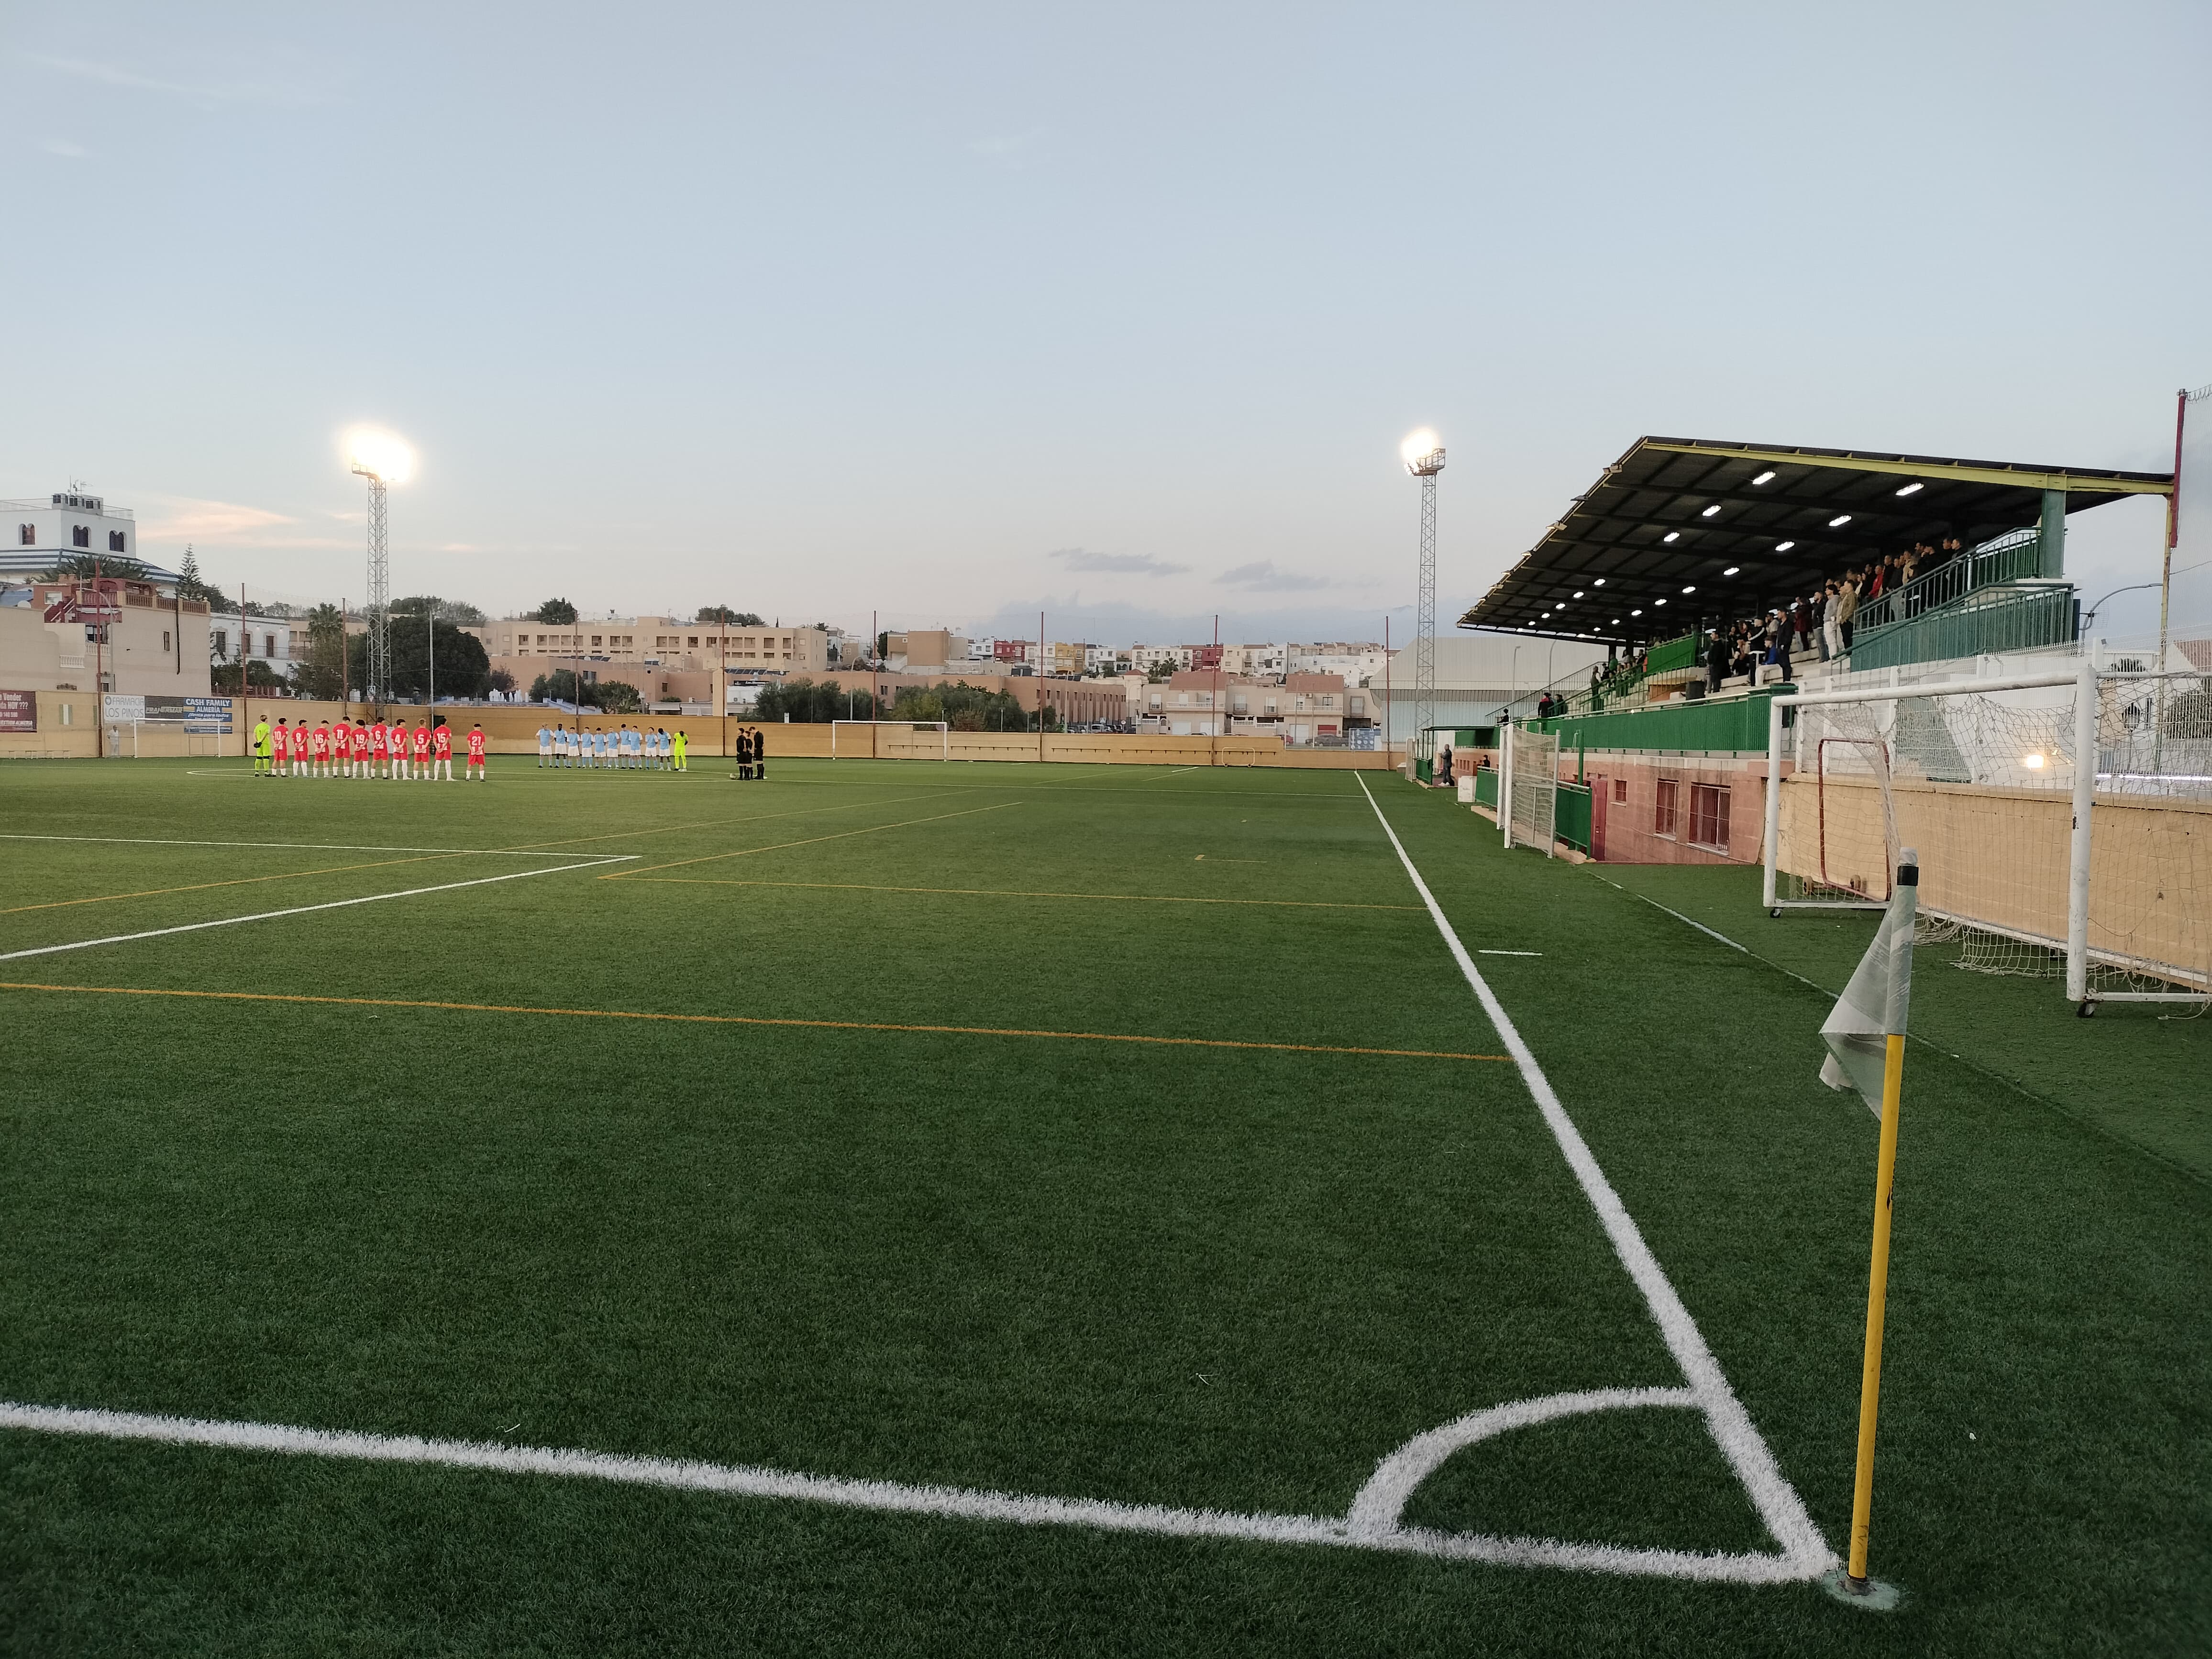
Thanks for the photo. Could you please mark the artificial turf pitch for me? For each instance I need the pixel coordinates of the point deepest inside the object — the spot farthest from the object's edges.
(909, 1230)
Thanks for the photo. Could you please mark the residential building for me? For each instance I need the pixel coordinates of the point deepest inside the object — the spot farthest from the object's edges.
(1357, 661)
(1256, 661)
(1010, 651)
(667, 658)
(1146, 658)
(69, 522)
(117, 636)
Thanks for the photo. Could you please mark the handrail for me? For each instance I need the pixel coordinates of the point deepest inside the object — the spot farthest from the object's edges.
(2006, 558)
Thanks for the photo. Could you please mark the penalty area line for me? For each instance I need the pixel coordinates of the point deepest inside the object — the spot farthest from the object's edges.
(892, 1498)
(299, 910)
(1777, 1501)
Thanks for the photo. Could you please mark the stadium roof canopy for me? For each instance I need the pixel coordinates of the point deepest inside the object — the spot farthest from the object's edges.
(1682, 528)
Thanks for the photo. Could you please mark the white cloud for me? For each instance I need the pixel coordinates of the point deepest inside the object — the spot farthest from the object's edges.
(1130, 564)
(1262, 574)
(222, 92)
(63, 147)
(197, 521)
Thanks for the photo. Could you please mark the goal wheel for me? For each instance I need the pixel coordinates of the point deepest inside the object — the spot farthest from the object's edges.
(1775, 915)
(2088, 1010)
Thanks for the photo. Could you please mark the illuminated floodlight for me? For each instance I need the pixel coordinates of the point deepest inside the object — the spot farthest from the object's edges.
(1600, 582)
(1658, 601)
(1578, 593)
(1672, 536)
(1635, 613)
(1784, 547)
(1839, 521)
(1710, 511)
(1909, 488)
(375, 454)
(1732, 571)
(1764, 477)
(1690, 590)
(1422, 453)
(2033, 763)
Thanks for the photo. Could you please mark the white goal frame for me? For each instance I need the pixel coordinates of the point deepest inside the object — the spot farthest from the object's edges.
(2084, 679)
(943, 733)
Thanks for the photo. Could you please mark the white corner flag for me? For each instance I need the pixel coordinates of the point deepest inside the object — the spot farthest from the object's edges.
(1873, 1006)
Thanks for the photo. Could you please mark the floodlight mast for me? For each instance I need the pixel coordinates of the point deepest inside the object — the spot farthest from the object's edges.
(1424, 459)
(377, 685)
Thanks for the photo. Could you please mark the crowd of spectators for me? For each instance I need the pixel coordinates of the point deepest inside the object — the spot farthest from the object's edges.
(1820, 624)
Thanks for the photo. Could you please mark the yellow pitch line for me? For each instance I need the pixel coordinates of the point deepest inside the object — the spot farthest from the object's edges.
(234, 881)
(741, 1020)
(1007, 892)
(747, 851)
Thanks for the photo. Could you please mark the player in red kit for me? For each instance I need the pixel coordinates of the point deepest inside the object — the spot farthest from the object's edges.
(341, 749)
(422, 746)
(441, 752)
(318, 745)
(299, 750)
(478, 772)
(377, 735)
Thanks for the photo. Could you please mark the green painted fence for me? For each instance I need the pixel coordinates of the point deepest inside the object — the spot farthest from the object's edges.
(1724, 725)
(2018, 621)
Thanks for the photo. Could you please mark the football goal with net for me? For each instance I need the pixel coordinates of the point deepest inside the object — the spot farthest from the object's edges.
(891, 740)
(2063, 820)
(1528, 778)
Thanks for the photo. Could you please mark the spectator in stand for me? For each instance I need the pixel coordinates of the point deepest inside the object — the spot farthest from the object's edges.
(1846, 608)
(1816, 612)
(1716, 660)
(1780, 654)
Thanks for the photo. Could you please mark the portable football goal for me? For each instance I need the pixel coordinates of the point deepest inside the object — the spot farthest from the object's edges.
(2063, 820)
(891, 740)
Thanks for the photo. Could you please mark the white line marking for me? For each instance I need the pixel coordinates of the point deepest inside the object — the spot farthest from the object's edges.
(1508, 953)
(897, 1498)
(1382, 1501)
(282, 846)
(304, 909)
(1679, 916)
(1803, 1549)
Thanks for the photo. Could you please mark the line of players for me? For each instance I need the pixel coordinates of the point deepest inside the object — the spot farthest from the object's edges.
(363, 749)
(624, 748)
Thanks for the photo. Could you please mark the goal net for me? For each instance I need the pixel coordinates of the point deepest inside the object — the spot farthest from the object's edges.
(1532, 794)
(2057, 837)
(890, 740)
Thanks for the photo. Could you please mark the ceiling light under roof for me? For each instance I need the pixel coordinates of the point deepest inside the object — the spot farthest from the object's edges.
(1909, 488)
(1672, 536)
(1710, 511)
(1732, 571)
(1635, 613)
(1600, 582)
(1839, 521)
(1690, 589)
(1764, 477)
(1784, 547)
(1578, 593)
(1658, 601)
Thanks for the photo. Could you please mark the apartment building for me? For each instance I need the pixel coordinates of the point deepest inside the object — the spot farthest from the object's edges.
(1306, 708)
(120, 636)
(1357, 661)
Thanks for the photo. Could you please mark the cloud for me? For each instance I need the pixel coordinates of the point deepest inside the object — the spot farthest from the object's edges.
(190, 521)
(1262, 573)
(63, 147)
(1128, 564)
(205, 93)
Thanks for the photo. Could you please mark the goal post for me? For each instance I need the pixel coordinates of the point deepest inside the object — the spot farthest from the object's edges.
(903, 752)
(2061, 819)
(1528, 793)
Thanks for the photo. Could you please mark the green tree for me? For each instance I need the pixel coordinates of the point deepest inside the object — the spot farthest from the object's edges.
(319, 673)
(84, 566)
(560, 686)
(1159, 672)
(452, 610)
(811, 703)
(619, 697)
(965, 708)
(555, 613)
(191, 586)
(463, 668)
(722, 613)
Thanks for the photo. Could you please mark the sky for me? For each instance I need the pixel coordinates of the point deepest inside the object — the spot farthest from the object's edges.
(950, 314)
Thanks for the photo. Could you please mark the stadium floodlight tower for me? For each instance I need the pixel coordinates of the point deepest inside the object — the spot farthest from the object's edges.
(382, 459)
(1424, 452)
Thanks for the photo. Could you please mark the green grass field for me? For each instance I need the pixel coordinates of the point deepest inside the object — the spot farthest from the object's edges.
(1124, 1137)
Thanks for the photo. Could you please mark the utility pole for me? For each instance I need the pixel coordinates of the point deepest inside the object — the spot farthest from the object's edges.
(99, 663)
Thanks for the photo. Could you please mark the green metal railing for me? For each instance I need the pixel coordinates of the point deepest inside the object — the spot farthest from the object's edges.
(1718, 724)
(2021, 620)
(1624, 693)
(2007, 558)
(1486, 788)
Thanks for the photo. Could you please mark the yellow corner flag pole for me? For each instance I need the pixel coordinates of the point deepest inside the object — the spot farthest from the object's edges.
(1893, 1088)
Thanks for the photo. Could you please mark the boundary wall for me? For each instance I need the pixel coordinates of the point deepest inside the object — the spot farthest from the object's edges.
(513, 731)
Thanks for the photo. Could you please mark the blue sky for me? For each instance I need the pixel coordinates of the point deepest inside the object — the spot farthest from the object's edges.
(955, 313)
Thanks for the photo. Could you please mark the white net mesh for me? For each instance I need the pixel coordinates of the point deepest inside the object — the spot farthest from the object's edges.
(1535, 786)
(1981, 785)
